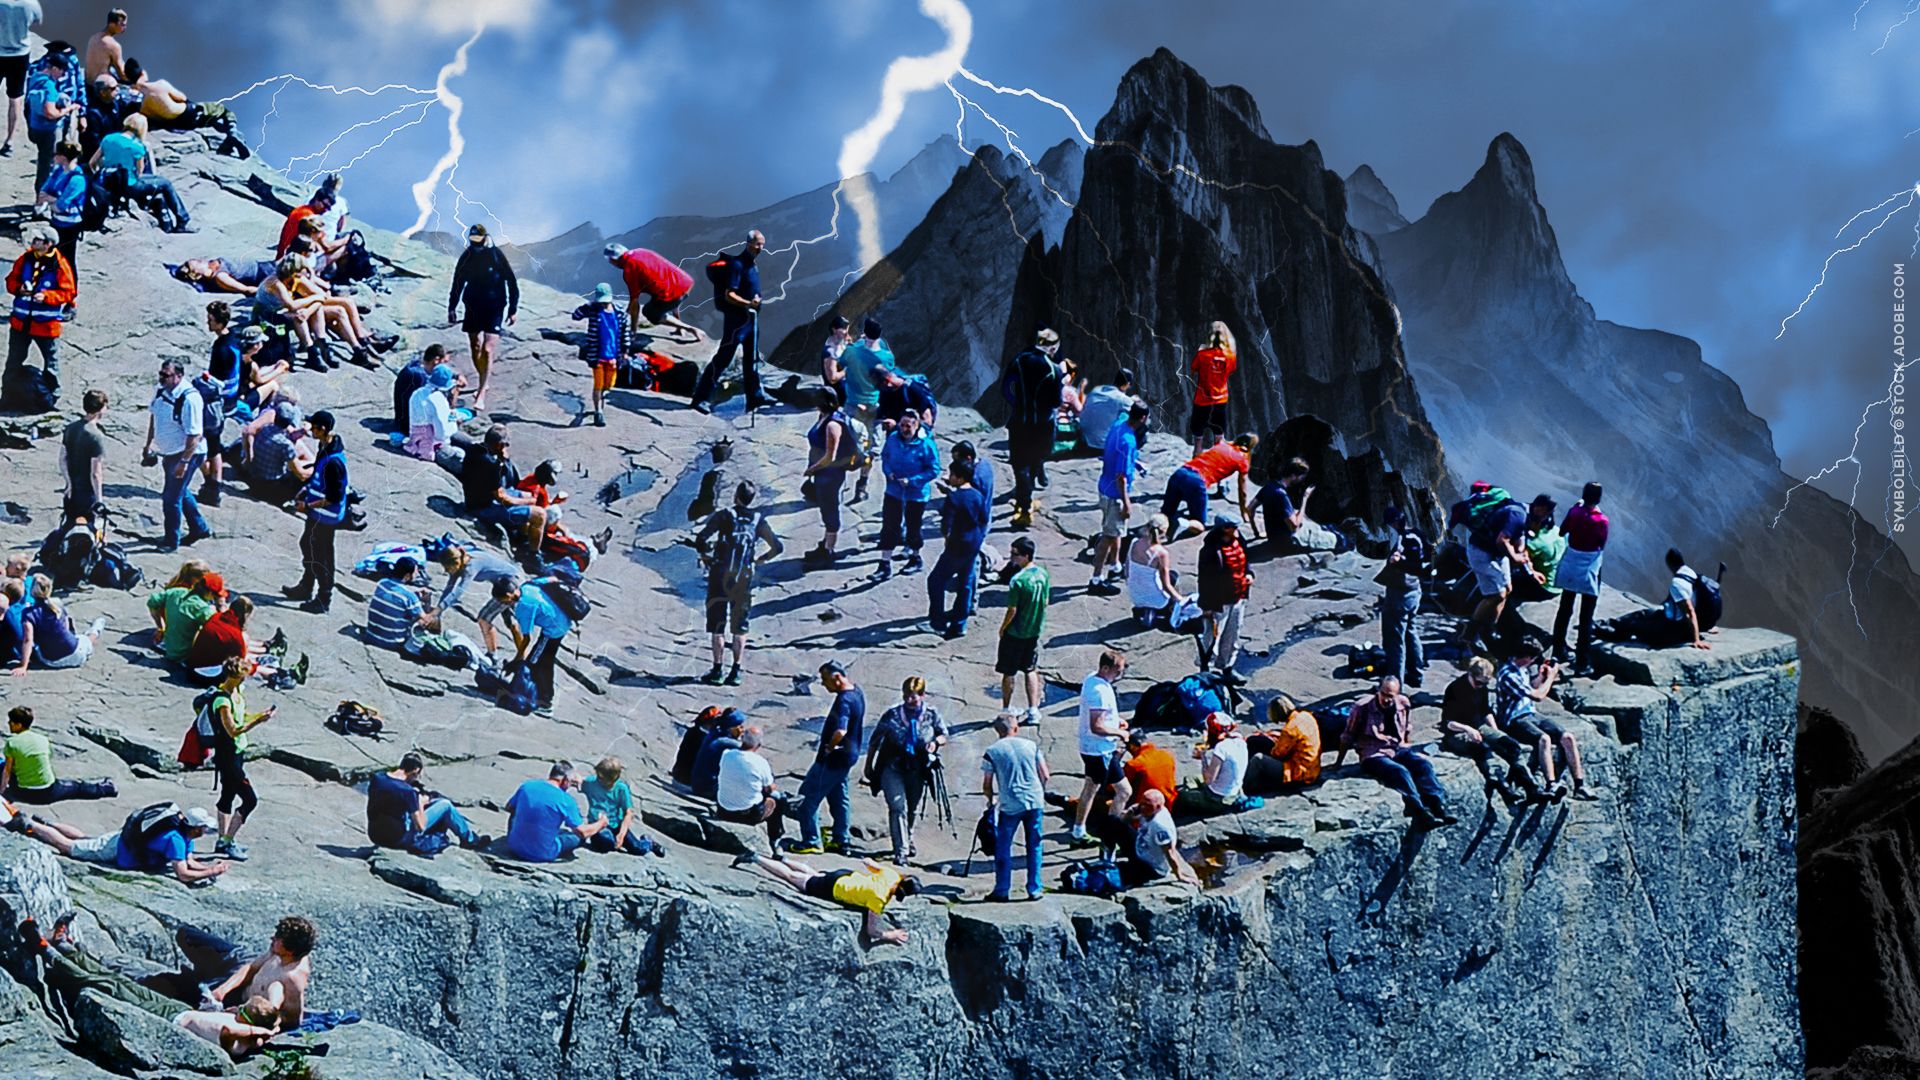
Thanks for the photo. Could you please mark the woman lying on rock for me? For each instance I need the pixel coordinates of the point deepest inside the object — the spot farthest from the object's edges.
(869, 888)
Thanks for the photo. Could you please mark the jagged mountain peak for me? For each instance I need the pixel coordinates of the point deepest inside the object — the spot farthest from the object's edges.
(1498, 236)
(1371, 207)
(1166, 88)
(1508, 165)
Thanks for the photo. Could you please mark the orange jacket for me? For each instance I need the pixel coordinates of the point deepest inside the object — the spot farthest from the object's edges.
(1297, 747)
(40, 318)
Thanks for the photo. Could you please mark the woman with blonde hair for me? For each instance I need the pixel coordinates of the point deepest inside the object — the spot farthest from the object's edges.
(126, 150)
(1287, 753)
(1151, 584)
(1213, 366)
(47, 633)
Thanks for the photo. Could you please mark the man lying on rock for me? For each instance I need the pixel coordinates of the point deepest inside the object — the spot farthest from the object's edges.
(166, 843)
(869, 889)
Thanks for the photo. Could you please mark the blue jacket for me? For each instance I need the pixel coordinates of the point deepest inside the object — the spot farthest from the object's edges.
(963, 519)
(329, 485)
(68, 187)
(910, 467)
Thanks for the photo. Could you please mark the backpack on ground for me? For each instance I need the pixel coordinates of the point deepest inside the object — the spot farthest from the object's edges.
(439, 650)
(113, 570)
(380, 561)
(69, 554)
(571, 601)
(488, 678)
(561, 547)
(353, 718)
(733, 554)
(521, 695)
(28, 390)
(1091, 879)
(140, 828)
(354, 263)
(1201, 693)
(196, 746)
(1708, 605)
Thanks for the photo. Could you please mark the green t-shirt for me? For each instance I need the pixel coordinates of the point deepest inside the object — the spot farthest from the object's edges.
(32, 759)
(1544, 551)
(1028, 592)
(237, 705)
(186, 612)
(613, 802)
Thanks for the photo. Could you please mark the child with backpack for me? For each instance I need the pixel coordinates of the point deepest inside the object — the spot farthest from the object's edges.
(727, 544)
(607, 336)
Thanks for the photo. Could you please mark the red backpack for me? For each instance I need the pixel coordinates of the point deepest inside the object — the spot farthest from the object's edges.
(196, 746)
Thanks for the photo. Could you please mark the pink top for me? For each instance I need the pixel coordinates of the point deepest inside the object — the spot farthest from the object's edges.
(1585, 528)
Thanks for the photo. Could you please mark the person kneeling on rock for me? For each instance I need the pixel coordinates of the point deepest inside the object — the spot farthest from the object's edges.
(869, 888)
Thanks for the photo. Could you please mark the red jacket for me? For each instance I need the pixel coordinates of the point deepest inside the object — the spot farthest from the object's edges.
(53, 279)
(646, 272)
(1223, 573)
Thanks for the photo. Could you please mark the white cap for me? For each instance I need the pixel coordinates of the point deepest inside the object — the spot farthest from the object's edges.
(200, 817)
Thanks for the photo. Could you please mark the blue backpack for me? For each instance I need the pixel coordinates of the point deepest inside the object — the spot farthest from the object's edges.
(520, 696)
(1091, 879)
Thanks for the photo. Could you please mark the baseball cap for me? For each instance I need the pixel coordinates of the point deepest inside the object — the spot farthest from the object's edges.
(1223, 519)
(441, 377)
(731, 718)
(614, 251)
(200, 817)
(216, 584)
(477, 231)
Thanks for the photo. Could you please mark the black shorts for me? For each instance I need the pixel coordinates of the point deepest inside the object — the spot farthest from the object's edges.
(13, 70)
(820, 886)
(1017, 654)
(1104, 769)
(1530, 729)
(728, 609)
(484, 319)
(655, 310)
(1208, 419)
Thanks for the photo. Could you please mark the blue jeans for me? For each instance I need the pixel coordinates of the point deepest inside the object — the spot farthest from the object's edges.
(834, 784)
(1408, 772)
(1004, 823)
(442, 817)
(176, 497)
(1185, 492)
(1401, 640)
(962, 565)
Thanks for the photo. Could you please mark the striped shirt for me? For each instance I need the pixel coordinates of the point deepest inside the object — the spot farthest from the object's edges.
(391, 613)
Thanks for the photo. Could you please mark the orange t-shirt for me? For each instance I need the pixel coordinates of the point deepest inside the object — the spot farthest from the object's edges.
(1211, 370)
(1220, 461)
(1297, 747)
(1152, 768)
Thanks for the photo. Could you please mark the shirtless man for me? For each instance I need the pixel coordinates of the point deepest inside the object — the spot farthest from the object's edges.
(103, 50)
(273, 985)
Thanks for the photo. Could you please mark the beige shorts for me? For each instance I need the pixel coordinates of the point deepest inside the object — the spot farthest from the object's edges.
(1112, 525)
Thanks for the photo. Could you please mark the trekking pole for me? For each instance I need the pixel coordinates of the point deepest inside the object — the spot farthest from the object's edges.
(751, 361)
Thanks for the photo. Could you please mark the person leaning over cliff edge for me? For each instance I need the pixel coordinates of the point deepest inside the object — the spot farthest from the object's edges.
(869, 888)
(168, 847)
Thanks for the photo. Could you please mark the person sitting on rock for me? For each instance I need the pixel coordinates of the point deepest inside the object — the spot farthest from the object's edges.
(272, 986)
(868, 889)
(728, 730)
(403, 814)
(1378, 731)
(1523, 680)
(1149, 767)
(705, 726)
(1468, 728)
(544, 821)
(279, 456)
(1156, 845)
(1223, 773)
(47, 636)
(1286, 756)
(28, 774)
(222, 638)
(490, 483)
(180, 611)
(557, 542)
(168, 848)
(1675, 622)
(395, 613)
(416, 374)
(126, 153)
(610, 799)
(430, 421)
(747, 794)
(168, 108)
(1285, 513)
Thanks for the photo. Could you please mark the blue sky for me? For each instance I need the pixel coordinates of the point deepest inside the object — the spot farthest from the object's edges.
(1695, 158)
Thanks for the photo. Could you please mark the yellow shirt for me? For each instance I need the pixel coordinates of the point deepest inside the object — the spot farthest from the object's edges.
(870, 889)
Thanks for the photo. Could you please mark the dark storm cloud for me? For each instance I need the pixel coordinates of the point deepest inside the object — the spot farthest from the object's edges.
(1694, 158)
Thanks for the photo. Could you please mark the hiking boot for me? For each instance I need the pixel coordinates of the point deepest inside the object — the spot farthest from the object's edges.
(712, 677)
(1022, 519)
(317, 607)
(480, 840)
(883, 571)
(302, 591)
(733, 676)
(209, 494)
(954, 630)
(1585, 792)
(1439, 813)
(745, 858)
(300, 670)
(913, 564)
(997, 898)
(544, 710)
(1557, 792)
(1035, 894)
(599, 418)
(1031, 716)
(383, 343)
(195, 537)
(802, 847)
(817, 556)
(859, 490)
(277, 644)
(232, 849)
(704, 408)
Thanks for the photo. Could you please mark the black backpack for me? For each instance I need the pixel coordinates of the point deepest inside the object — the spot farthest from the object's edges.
(69, 554)
(355, 262)
(143, 825)
(720, 273)
(99, 202)
(113, 570)
(1708, 605)
(733, 554)
(571, 602)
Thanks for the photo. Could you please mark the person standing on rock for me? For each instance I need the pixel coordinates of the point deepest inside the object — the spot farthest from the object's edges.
(830, 778)
(1403, 575)
(230, 726)
(50, 110)
(17, 19)
(83, 451)
(1213, 369)
(663, 284)
(1578, 576)
(905, 748)
(735, 535)
(1013, 776)
(736, 293)
(1102, 734)
(1119, 468)
(43, 289)
(1225, 582)
(324, 501)
(862, 365)
(176, 423)
(1378, 731)
(542, 627)
(1031, 387)
(911, 463)
(485, 281)
(1494, 548)
(608, 335)
(544, 821)
(831, 452)
(1029, 591)
(839, 336)
(963, 524)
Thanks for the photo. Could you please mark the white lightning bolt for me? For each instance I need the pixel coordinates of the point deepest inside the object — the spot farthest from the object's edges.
(423, 191)
(906, 76)
(1857, 11)
(1905, 17)
(286, 78)
(1078, 128)
(321, 154)
(1909, 194)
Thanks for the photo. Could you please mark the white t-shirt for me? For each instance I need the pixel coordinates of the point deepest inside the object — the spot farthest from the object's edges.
(1104, 407)
(1231, 753)
(744, 779)
(1679, 594)
(1097, 694)
(1150, 844)
(176, 416)
(428, 408)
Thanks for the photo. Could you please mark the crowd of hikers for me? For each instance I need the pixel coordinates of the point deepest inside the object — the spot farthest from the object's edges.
(1182, 550)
